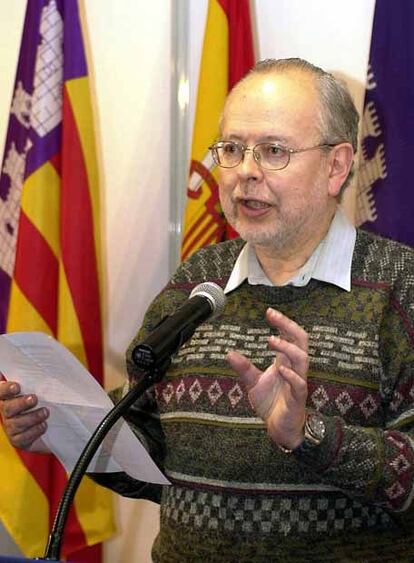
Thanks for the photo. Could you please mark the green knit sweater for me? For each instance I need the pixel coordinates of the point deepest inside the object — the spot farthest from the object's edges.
(234, 495)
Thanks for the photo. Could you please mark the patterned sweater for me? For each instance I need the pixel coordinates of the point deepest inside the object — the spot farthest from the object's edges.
(234, 495)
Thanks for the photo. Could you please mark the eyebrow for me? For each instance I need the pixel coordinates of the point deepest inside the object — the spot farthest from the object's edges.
(262, 139)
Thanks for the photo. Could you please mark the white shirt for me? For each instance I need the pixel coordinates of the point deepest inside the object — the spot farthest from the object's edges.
(330, 262)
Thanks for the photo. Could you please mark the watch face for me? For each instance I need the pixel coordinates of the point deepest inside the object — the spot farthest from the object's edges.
(316, 426)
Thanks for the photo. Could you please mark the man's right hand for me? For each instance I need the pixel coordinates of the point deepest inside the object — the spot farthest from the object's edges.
(23, 424)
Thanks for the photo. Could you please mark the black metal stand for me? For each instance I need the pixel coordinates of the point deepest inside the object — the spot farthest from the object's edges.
(53, 548)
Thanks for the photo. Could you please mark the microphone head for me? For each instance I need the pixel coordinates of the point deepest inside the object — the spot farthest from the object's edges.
(213, 293)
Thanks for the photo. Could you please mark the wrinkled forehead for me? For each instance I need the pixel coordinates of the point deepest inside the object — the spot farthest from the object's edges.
(285, 103)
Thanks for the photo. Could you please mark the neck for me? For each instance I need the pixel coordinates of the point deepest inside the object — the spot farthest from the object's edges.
(283, 263)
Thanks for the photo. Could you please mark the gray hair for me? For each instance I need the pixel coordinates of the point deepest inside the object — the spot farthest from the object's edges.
(338, 115)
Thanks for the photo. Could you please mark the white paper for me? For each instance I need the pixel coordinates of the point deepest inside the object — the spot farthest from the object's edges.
(77, 405)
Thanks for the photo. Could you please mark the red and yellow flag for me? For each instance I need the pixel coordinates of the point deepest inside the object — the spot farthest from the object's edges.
(49, 259)
(227, 56)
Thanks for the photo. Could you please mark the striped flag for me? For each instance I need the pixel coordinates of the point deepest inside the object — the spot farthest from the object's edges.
(49, 259)
(227, 56)
(385, 200)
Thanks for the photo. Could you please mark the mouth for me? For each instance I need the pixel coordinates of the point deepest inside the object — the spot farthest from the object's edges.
(254, 204)
(252, 208)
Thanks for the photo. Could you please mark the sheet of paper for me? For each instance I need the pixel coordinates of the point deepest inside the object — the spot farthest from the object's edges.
(77, 404)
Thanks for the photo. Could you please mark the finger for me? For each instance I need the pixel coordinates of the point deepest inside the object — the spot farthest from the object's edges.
(263, 395)
(8, 389)
(298, 358)
(289, 329)
(25, 422)
(25, 439)
(298, 386)
(13, 407)
(244, 367)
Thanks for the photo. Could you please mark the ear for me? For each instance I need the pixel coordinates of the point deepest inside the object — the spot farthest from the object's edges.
(340, 162)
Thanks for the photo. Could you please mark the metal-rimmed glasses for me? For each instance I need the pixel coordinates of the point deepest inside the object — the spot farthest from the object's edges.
(269, 156)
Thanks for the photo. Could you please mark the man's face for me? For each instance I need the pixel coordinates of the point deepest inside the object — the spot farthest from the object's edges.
(276, 207)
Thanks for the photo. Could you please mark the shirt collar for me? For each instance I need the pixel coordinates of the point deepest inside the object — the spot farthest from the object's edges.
(330, 262)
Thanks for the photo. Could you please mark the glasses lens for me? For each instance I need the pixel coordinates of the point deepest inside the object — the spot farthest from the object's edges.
(271, 156)
(227, 153)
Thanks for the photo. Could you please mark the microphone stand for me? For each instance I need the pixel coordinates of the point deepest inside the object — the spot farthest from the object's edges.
(149, 377)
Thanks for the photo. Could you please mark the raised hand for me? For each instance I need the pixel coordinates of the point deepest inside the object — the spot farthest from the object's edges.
(279, 393)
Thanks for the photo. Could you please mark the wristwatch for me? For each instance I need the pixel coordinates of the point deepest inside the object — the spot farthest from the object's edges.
(314, 432)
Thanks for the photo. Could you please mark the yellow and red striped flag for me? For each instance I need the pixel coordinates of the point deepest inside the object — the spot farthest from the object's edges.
(49, 259)
(227, 56)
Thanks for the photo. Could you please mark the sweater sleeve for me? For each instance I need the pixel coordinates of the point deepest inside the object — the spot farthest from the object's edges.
(377, 464)
(143, 418)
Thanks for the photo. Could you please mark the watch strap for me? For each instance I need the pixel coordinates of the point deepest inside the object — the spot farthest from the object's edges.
(314, 431)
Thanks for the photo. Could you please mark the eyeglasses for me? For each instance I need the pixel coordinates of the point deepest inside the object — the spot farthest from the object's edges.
(270, 156)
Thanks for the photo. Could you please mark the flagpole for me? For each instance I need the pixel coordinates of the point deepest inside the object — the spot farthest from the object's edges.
(179, 126)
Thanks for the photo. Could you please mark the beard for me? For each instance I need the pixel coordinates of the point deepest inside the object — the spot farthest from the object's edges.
(276, 231)
(290, 219)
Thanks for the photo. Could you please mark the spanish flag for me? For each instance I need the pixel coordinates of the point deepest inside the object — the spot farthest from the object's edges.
(49, 259)
(227, 56)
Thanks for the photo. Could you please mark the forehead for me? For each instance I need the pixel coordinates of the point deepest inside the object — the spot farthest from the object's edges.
(281, 106)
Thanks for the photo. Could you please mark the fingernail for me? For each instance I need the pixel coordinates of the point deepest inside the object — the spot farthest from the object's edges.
(45, 413)
(14, 388)
(30, 400)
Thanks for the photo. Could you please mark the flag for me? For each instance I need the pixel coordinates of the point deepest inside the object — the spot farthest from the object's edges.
(49, 259)
(385, 199)
(227, 56)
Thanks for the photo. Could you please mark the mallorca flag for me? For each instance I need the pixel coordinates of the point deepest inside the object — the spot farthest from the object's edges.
(385, 199)
(226, 58)
(49, 259)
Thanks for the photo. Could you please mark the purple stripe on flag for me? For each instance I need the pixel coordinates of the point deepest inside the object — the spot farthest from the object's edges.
(43, 150)
(30, 40)
(74, 56)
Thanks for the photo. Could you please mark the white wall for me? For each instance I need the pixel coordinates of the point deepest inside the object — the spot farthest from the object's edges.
(129, 50)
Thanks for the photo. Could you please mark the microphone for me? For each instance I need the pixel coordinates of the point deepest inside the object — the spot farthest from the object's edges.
(205, 301)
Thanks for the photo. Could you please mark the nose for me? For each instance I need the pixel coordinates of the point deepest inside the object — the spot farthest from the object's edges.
(248, 168)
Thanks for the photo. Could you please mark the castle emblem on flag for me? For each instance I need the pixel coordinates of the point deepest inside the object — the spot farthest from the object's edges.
(14, 167)
(21, 105)
(47, 93)
(372, 165)
(43, 109)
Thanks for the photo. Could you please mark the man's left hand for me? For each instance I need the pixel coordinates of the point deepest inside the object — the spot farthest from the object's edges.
(279, 393)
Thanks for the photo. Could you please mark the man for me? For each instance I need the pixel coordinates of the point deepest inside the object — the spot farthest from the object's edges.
(298, 446)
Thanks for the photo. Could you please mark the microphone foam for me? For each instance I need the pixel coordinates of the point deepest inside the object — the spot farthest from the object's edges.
(213, 293)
